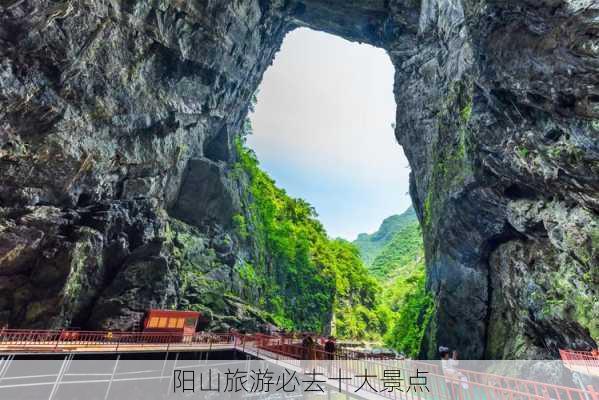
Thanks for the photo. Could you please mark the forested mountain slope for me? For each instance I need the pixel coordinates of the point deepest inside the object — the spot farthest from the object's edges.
(301, 277)
(395, 256)
(371, 245)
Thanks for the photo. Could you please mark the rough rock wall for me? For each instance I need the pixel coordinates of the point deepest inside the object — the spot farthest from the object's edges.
(114, 114)
(106, 110)
(503, 142)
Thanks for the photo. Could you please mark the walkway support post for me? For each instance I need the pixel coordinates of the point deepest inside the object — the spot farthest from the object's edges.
(58, 339)
(116, 363)
(5, 365)
(63, 369)
(594, 394)
(170, 381)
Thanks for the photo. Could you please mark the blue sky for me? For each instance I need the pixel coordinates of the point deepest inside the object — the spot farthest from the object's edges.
(322, 130)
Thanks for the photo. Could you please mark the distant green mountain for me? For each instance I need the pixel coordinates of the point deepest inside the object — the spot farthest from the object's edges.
(401, 254)
(395, 256)
(371, 245)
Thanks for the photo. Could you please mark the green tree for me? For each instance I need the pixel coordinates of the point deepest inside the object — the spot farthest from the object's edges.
(308, 278)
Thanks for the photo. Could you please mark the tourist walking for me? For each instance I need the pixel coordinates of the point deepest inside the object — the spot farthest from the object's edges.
(330, 348)
(454, 379)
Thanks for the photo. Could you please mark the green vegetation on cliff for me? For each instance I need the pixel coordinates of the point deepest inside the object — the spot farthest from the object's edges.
(395, 255)
(304, 278)
(410, 305)
(372, 289)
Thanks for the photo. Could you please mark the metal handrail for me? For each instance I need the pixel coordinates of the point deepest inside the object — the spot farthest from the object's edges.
(276, 347)
(584, 362)
(52, 339)
(494, 386)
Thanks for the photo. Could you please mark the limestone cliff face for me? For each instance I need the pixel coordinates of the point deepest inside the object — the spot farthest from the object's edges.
(117, 116)
(114, 115)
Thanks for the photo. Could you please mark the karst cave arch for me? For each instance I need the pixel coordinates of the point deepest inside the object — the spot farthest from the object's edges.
(114, 113)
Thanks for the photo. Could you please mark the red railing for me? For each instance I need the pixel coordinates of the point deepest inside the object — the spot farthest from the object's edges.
(584, 362)
(57, 340)
(293, 348)
(466, 385)
(463, 385)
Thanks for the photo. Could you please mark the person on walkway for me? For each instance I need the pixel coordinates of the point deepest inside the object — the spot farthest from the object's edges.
(330, 348)
(306, 339)
(308, 346)
(452, 376)
(311, 348)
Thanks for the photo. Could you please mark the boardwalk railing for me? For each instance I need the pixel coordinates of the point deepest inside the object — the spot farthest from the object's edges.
(584, 362)
(463, 384)
(21, 340)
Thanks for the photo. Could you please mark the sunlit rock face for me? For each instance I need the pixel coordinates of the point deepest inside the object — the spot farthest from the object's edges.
(113, 114)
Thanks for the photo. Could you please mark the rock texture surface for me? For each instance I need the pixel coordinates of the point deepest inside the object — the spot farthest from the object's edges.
(115, 115)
